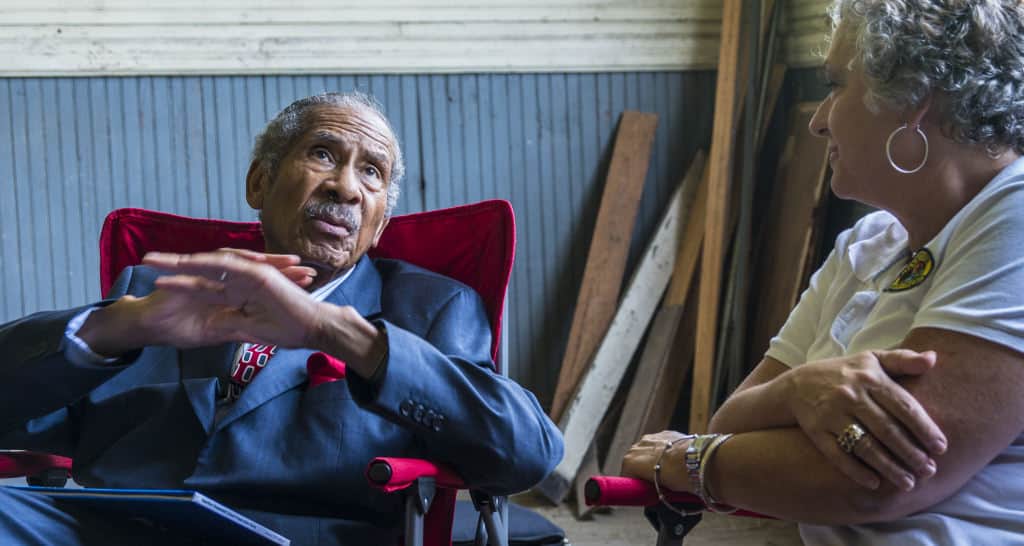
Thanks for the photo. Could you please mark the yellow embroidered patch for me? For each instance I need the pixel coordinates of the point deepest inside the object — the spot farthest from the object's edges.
(915, 272)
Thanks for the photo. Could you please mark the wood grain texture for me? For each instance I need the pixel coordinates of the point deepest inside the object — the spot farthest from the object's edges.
(589, 467)
(788, 235)
(655, 362)
(690, 245)
(720, 165)
(597, 387)
(606, 260)
(207, 37)
(203, 37)
(666, 396)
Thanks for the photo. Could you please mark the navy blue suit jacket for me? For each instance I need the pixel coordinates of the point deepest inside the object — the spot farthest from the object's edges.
(290, 456)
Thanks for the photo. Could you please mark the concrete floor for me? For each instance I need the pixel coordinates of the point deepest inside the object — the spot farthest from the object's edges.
(628, 527)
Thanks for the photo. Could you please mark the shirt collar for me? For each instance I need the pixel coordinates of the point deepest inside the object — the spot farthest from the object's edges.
(873, 255)
(320, 294)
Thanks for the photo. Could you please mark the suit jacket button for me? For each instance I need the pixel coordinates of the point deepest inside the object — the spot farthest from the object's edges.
(417, 414)
(405, 408)
(437, 422)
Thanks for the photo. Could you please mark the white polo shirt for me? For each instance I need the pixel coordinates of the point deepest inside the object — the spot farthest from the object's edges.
(866, 296)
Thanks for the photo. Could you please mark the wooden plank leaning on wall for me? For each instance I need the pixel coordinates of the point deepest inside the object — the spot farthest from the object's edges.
(656, 367)
(590, 401)
(720, 166)
(609, 246)
(791, 230)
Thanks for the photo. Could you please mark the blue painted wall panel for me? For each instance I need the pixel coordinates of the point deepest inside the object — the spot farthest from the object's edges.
(10, 236)
(72, 149)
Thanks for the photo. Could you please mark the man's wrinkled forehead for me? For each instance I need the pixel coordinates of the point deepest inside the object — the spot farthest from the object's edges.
(349, 121)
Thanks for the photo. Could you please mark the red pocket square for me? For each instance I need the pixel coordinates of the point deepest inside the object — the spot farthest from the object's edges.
(324, 368)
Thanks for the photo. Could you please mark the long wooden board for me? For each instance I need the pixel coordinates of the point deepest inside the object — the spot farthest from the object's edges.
(671, 341)
(609, 246)
(789, 228)
(655, 363)
(670, 383)
(589, 403)
(723, 144)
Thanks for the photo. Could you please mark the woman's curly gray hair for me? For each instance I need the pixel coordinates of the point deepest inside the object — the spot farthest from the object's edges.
(970, 51)
(278, 136)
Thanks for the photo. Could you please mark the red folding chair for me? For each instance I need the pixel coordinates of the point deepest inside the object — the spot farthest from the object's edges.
(474, 244)
(672, 526)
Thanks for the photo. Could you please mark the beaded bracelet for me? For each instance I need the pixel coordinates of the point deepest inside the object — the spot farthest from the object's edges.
(657, 476)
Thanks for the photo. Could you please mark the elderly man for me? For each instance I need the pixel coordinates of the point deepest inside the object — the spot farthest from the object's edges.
(155, 387)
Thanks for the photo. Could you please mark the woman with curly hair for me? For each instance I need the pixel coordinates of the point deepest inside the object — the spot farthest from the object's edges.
(889, 407)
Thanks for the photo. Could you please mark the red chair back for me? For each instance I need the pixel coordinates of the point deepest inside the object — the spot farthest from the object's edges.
(473, 244)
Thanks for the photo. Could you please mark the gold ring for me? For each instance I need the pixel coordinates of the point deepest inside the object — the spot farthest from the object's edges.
(849, 437)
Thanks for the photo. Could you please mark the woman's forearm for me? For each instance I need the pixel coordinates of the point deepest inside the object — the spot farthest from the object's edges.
(780, 473)
(763, 405)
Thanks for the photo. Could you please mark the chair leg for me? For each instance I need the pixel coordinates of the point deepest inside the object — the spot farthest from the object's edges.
(418, 498)
(494, 515)
(672, 527)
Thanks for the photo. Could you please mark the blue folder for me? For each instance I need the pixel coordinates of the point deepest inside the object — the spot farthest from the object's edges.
(180, 512)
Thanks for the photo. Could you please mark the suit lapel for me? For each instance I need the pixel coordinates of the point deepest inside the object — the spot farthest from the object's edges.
(201, 369)
(361, 290)
(287, 369)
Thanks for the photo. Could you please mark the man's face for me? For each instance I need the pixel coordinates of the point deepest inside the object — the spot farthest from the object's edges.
(328, 199)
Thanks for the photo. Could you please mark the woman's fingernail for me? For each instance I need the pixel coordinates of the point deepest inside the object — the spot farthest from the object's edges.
(939, 446)
(930, 468)
(907, 483)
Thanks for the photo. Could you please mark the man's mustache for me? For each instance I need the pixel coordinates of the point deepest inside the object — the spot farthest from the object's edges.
(333, 213)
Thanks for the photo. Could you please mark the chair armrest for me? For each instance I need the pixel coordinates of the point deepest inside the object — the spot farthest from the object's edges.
(620, 491)
(15, 464)
(394, 474)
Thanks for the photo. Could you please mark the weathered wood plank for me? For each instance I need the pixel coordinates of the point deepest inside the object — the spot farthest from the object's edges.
(654, 361)
(723, 146)
(788, 232)
(609, 246)
(597, 387)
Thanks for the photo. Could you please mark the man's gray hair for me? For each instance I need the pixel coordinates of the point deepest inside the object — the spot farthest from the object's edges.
(277, 138)
(971, 52)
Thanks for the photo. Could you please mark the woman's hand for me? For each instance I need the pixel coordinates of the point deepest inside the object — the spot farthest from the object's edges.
(828, 396)
(639, 461)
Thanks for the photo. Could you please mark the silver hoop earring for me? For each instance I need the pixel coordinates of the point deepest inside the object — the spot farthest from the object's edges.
(888, 150)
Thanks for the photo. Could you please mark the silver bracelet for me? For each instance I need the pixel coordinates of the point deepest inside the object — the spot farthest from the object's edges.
(704, 493)
(657, 477)
(694, 455)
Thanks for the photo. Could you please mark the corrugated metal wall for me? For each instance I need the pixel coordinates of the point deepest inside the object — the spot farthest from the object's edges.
(72, 149)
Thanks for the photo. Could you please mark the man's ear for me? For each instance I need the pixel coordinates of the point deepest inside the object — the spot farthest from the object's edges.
(380, 231)
(257, 181)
